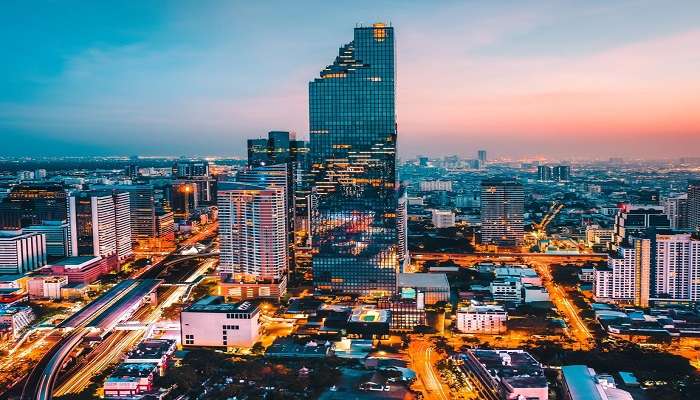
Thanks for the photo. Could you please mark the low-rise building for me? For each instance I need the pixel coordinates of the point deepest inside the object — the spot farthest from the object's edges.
(443, 219)
(211, 322)
(425, 288)
(369, 322)
(533, 293)
(46, 287)
(505, 374)
(582, 383)
(488, 319)
(130, 380)
(508, 289)
(152, 351)
(14, 319)
(526, 275)
(84, 269)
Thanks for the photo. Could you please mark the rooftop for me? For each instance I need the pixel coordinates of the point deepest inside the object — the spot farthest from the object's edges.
(429, 280)
(77, 260)
(217, 304)
(368, 314)
(515, 367)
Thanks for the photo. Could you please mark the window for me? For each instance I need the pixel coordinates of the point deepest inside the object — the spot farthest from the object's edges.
(189, 339)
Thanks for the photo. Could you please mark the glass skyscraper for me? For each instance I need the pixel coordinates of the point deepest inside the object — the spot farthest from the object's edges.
(353, 149)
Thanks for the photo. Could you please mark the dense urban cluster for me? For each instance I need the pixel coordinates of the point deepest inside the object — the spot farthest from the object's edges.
(331, 269)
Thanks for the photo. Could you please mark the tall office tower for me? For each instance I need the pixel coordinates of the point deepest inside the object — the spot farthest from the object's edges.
(544, 173)
(481, 154)
(635, 220)
(402, 228)
(190, 169)
(132, 171)
(282, 148)
(694, 204)
(677, 268)
(59, 243)
(141, 208)
(253, 240)
(30, 203)
(352, 120)
(183, 199)
(627, 278)
(99, 220)
(561, 173)
(21, 252)
(676, 208)
(502, 207)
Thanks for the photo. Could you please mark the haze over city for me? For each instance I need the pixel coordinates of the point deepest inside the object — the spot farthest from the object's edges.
(533, 78)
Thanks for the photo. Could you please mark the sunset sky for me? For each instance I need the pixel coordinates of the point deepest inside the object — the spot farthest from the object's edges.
(523, 78)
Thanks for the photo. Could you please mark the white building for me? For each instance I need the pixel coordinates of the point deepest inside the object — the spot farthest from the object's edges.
(676, 208)
(443, 219)
(253, 239)
(212, 323)
(58, 239)
(627, 278)
(14, 319)
(507, 289)
(21, 252)
(677, 267)
(402, 230)
(534, 293)
(46, 287)
(434, 186)
(486, 319)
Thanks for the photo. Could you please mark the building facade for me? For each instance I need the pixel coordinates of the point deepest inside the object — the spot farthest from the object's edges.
(211, 322)
(253, 240)
(502, 208)
(353, 133)
(21, 252)
(694, 205)
(482, 319)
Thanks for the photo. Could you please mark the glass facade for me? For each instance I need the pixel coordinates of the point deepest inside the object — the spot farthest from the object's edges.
(353, 150)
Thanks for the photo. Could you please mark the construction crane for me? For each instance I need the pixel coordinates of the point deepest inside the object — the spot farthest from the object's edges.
(540, 229)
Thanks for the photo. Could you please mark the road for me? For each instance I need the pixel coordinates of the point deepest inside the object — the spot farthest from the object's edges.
(423, 359)
(468, 259)
(577, 327)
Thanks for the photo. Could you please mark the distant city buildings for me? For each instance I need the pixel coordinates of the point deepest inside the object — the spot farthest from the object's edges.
(435, 186)
(558, 173)
(694, 205)
(676, 208)
(443, 219)
(502, 208)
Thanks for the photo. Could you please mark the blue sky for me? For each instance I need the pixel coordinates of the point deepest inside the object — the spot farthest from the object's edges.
(198, 77)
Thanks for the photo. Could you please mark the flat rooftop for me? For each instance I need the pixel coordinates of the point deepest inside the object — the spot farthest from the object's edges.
(77, 260)
(516, 367)
(369, 315)
(216, 304)
(423, 280)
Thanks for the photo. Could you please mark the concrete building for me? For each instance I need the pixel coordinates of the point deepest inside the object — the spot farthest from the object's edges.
(141, 208)
(14, 319)
(130, 381)
(597, 236)
(635, 220)
(676, 208)
(21, 252)
(505, 375)
(627, 279)
(488, 319)
(100, 222)
(435, 186)
(425, 288)
(526, 275)
(508, 289)
(211, 322)
(46, 287)
(253, 240)
(502, 207)
(676, 268)
(165, 224)
(402, 229)
(443, 219)
(582, 383)
(84, 269)
(534, 293)
(59, 242)
(694, 204)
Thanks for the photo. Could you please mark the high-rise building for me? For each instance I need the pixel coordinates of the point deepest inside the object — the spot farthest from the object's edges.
(544, 173)
(561, 173)
(676, 273)
(253, 240)
(59, 243)
(352, 119)
(676, 208)
(100, 222)
(141, 208)
(694, 204)
(30, 203)
(502, 207)
(190, 168)
(481, 154)
(21, 252)
(635, 220)
(183, 199)
(402, 226)
(657, 265)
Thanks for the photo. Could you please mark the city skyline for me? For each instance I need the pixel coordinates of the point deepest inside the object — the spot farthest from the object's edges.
(518, 79)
